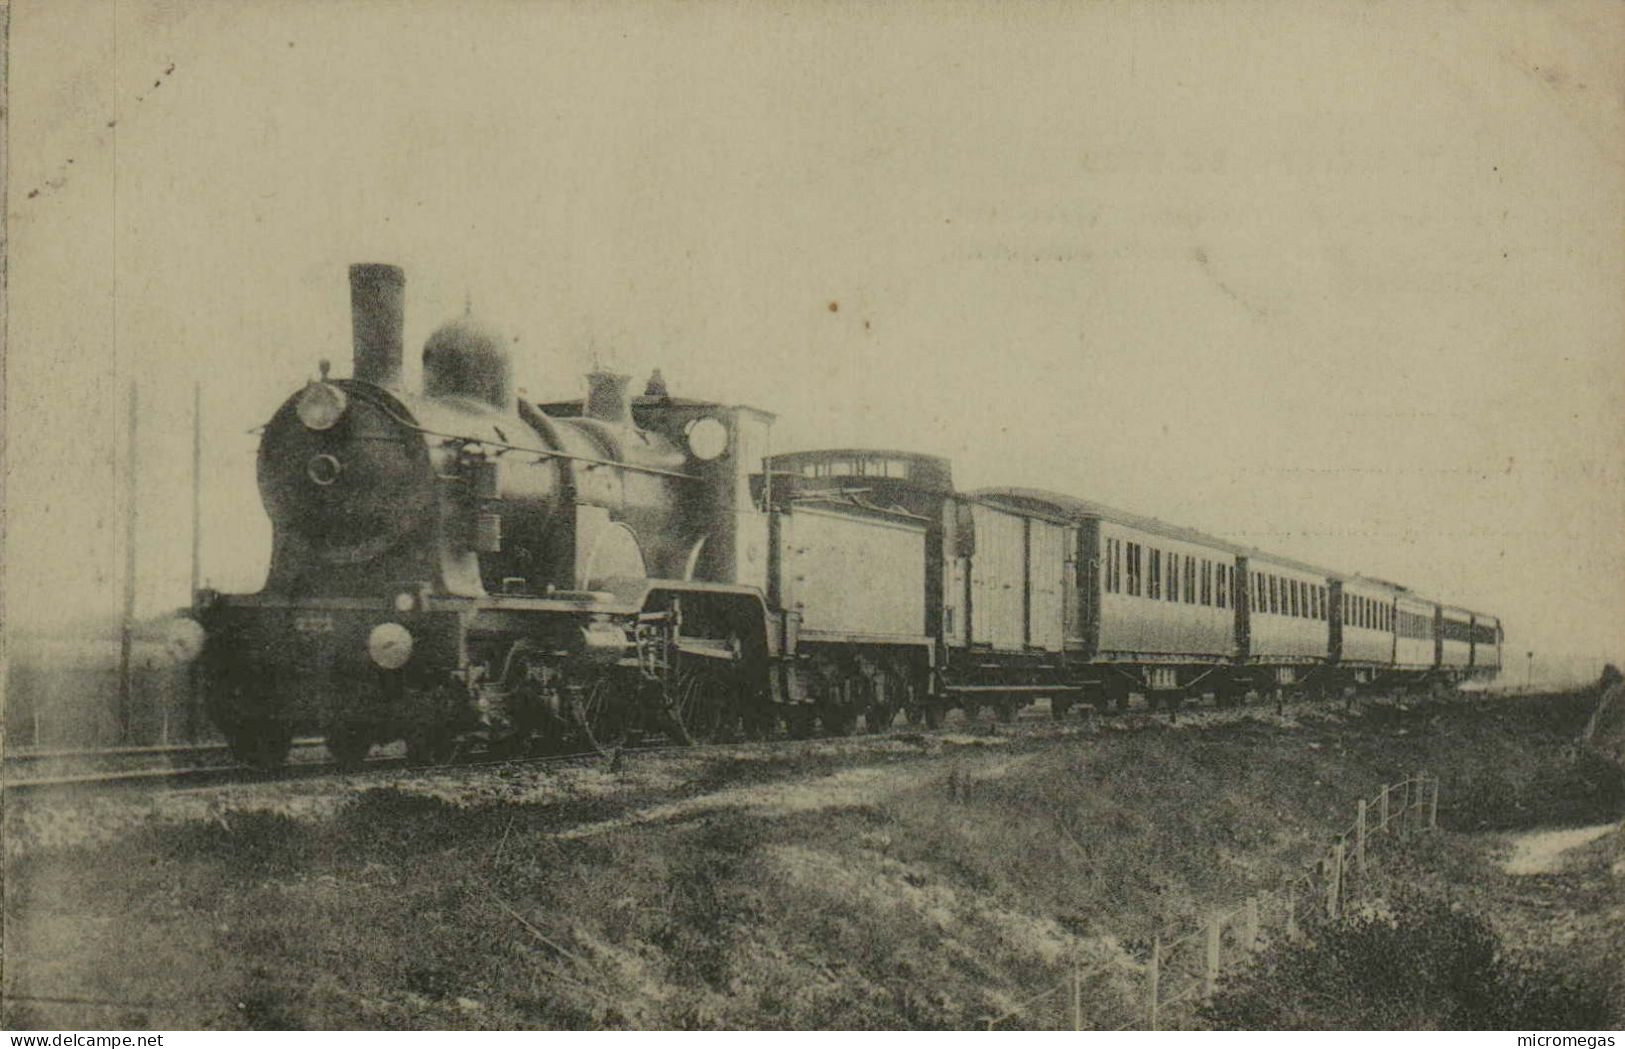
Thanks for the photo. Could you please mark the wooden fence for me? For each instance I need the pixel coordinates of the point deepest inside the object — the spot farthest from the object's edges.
(1184, 963)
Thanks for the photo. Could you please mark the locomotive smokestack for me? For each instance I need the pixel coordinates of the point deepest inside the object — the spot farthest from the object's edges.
(377, 317)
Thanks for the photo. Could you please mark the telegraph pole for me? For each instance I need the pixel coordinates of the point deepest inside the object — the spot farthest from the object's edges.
(1529, 671)
(127, 622)
(193, 679)
(197, 486)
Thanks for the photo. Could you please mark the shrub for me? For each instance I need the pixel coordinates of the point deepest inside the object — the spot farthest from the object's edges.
(1420, 965)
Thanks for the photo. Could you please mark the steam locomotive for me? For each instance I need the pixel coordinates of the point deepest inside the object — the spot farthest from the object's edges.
(459, 565)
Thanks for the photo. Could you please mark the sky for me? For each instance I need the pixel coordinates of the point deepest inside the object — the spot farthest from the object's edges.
(1338, 280)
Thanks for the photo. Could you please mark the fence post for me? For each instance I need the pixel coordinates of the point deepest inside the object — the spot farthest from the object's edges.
(1359, 836)
(1382, 808)
(1151, 983)
(1250, 923)
(1421, 798)
(1077, 994)
(1334, 882)
(1433, 806)
(1210, 963)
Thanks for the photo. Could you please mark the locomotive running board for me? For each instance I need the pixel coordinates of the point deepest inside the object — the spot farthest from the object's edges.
(1039, 689)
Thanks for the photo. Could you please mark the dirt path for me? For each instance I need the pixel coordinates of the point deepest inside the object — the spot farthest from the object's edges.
(1542, 852)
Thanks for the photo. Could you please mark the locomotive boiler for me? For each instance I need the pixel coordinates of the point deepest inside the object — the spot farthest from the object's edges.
(456, 562)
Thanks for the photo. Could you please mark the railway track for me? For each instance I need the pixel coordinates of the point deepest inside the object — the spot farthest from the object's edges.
(211, 764)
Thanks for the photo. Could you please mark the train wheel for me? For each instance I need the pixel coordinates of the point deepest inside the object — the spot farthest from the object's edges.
(1005, 710)
(1058, 708)
(603, 713)
(760, 719)
(348, 745)
(261, 745)
(800, 721)
(878, 717)
(431, 744)
(837, 719)
(704, 706)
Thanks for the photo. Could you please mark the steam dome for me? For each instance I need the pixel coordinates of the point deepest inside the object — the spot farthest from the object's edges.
(465, 358)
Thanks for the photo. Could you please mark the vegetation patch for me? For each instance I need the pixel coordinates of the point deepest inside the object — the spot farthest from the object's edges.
(928, 888)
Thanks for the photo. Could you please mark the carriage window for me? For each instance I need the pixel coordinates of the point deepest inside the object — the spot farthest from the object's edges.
(1207, 581)
(1190, 580)
(1153, 588)
(1220, 590)
(1172, 592)
(1134, 569)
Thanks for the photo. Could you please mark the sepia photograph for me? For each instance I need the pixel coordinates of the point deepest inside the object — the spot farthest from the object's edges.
(695, 515)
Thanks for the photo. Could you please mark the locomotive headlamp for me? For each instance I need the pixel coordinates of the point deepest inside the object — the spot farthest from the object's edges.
(320, 405)
(183, 640)
(406, 601)
(389, 645)
(707, 437)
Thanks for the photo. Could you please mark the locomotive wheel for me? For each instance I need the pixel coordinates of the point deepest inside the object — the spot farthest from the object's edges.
(760, 719)
(604, 714)
(1005, 710)
(430, 745)
(1058, 708)
(348, 745)
(837, 719)
(932, 714)
(704, 706)
(878, 717)
(800, 721)
(260, 745)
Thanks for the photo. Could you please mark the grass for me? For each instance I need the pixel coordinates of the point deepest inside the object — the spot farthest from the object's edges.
(944, 890)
